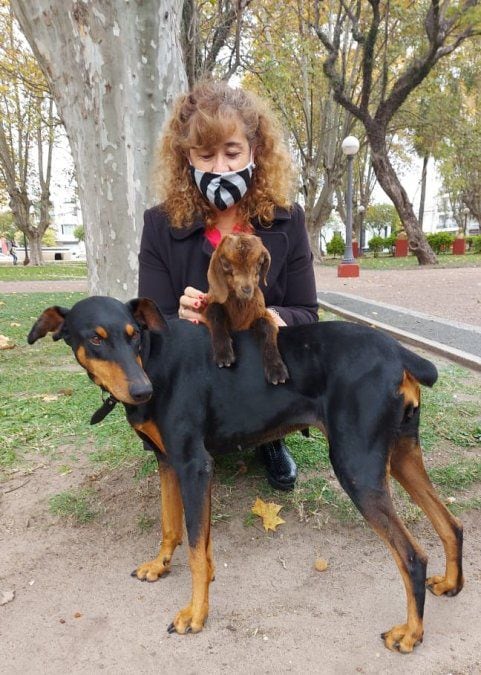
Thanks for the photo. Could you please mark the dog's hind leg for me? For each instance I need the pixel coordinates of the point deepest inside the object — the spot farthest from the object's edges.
(362, 472)
(407, 467)
(195, 481)
(172, 526)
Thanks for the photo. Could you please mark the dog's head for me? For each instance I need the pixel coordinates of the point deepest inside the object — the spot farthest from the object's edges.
(105, 336)
(236, 266)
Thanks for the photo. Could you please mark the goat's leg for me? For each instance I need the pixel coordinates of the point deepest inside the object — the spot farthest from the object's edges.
(274, 367)
(218, 324)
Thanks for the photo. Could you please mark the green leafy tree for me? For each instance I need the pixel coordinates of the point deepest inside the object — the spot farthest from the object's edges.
(399, 43)
(336, 246)
(381, 216)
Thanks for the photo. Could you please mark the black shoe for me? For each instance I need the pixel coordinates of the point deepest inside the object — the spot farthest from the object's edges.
(281, 469)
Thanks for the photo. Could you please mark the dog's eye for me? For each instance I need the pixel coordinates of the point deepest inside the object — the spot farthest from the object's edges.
(135, 335)
(95, 340)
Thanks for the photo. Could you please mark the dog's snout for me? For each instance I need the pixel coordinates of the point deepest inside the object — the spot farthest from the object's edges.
(140, 391)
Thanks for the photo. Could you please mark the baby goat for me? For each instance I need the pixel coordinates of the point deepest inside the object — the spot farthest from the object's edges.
(235, 301)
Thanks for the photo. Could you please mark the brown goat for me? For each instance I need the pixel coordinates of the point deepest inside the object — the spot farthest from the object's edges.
(235, 301)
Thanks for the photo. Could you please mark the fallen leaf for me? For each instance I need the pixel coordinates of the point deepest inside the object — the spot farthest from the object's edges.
(48, 398)
(77, 615)
(5, 342)
(321, 565)
(6, 596)
(268, 512)
(66, 392)
(14, 324)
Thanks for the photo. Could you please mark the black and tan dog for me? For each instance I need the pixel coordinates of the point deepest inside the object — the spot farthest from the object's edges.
(356, 384)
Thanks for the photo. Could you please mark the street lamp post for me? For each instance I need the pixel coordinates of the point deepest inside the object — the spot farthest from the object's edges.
(348, 267)
(362, 234)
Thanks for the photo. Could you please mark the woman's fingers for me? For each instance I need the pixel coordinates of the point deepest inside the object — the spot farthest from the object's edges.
(192, 304)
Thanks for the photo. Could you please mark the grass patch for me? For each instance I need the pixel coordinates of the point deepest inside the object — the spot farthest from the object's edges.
(49, 272)
(78, 506)
(451, 410)
(388, 262)
(458, 475)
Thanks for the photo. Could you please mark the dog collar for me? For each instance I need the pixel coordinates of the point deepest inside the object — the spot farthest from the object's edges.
(107, 406)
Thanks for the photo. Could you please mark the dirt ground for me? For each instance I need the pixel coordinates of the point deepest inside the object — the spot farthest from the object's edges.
(77, 609)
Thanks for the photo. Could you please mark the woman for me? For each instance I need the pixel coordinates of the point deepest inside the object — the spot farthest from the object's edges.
(221, 168)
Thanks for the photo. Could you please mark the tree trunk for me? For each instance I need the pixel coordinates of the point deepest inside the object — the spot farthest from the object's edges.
(391, 185)
(422, 200)
(114, 69)
(35, 246)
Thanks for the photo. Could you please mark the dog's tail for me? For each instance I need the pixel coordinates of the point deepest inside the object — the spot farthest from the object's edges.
(423, 370)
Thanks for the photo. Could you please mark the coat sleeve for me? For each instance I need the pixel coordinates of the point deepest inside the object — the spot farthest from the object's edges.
(155, 280)
(300, 300)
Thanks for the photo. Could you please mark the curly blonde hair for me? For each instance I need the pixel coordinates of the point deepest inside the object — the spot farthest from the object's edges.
(206, 116)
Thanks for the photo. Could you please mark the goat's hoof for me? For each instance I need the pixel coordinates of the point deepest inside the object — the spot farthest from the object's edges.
(225, 360)
(277, 373)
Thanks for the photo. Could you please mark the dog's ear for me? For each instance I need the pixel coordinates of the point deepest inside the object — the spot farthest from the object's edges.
(218, 288)
(266, 263)
(146, 313)
(50, 321)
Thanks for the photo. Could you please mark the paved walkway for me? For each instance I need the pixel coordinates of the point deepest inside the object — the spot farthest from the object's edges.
(439, 309)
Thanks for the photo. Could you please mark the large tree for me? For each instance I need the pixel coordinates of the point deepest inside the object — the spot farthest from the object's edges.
(27, 133)
(379, 30)
(113, 69)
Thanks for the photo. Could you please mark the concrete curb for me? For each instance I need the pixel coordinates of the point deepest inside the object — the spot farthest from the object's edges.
(450, 353)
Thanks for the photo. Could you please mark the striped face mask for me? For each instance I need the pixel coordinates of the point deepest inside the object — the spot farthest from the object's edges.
(223, 190)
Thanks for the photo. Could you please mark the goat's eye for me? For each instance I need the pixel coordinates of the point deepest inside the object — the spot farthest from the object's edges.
(226, 266)
(95, 340)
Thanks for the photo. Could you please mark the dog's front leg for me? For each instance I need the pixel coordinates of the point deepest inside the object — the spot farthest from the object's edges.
(217, 322)
(172, 526)
(195, 483)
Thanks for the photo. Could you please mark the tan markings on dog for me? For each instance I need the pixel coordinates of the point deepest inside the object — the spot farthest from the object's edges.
(172, 513)
(150, 429)
(101, 332)
(129, 329)
(408, 468)
(409, 388)
(107, 374)
(201, 565)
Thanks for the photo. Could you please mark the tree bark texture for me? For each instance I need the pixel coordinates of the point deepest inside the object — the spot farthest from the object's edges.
(114, 69)
(391, 185)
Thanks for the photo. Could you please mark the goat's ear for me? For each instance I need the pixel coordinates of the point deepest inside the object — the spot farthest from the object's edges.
(50, 321)
(218, 289)
(266, 263)
(146, 313)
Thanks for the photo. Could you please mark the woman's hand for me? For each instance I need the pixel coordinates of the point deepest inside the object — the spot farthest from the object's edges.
(192, 305)
(277, 317)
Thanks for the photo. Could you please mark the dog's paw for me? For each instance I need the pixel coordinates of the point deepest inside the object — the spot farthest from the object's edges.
(439, 585)
(152, 570)
(402, 638)
(188, 621)
(276, 372)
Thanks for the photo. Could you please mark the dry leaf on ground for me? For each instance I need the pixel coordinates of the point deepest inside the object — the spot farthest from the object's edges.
(5, 342)
(268, 512)
(321, 565)
(6, 596)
